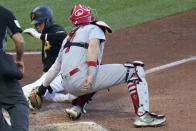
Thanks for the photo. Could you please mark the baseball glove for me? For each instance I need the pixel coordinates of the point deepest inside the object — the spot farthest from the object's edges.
(35, 99)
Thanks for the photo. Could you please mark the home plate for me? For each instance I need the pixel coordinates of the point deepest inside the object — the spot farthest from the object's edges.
(79, 126)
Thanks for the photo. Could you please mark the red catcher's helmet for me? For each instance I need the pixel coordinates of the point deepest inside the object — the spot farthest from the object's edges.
(81, 14)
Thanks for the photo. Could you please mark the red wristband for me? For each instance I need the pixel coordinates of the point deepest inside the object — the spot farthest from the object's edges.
(92, 63)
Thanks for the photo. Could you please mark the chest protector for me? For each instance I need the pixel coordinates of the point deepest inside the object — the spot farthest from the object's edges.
(71, 35)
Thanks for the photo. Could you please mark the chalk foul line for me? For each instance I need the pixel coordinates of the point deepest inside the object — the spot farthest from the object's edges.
(172, 64)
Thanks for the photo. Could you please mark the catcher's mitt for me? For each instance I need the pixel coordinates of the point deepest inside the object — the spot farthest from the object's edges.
(35, 99)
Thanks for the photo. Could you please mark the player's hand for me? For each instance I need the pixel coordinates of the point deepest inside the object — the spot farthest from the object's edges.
(88, 83)
(20, 65)
(32, 32)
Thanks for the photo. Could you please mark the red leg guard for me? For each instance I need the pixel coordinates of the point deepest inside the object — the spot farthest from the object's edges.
(135, 99)
(134, 96)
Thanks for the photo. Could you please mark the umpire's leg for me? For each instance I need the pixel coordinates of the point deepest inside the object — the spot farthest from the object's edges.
(19, 117)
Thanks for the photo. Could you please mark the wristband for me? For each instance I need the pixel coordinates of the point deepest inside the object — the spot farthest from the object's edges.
(92, 67)
(92, 63)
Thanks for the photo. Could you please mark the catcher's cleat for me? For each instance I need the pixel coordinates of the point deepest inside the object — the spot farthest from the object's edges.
(74, 112)
(149, 119)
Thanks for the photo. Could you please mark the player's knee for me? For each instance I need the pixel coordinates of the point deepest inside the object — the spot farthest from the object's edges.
(138, 74)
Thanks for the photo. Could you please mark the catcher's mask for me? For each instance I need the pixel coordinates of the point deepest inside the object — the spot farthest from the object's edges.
(81, 14)
(42, 14)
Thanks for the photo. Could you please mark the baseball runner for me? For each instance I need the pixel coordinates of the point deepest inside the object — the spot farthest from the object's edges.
(82, 75)
(12, 98)
(51, 36)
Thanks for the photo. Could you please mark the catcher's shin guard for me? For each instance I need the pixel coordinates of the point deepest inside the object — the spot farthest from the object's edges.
(137, 87)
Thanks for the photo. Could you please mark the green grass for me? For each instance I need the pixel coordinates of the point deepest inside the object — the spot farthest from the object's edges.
(119, 14)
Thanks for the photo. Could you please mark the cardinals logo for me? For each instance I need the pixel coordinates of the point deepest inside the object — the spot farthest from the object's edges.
(79, 12)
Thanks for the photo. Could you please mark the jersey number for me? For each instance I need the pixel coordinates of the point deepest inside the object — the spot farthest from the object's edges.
(46, 47)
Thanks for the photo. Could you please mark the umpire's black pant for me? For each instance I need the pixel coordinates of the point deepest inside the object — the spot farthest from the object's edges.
(19, 117)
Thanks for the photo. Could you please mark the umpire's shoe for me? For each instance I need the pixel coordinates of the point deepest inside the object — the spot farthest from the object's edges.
(74, 112)
(149, 119)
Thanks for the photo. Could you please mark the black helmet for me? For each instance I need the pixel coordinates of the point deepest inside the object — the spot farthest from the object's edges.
(42, 14)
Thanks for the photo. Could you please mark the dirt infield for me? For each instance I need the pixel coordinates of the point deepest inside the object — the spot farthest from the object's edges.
(172, 90)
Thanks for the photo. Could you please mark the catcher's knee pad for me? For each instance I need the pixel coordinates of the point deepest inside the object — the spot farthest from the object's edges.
(138, 73)
(137, 87)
